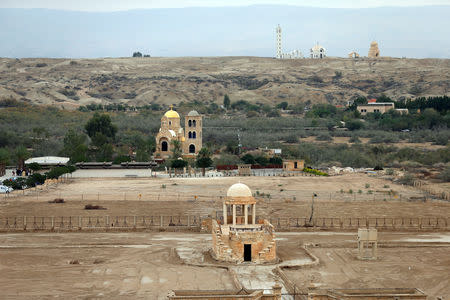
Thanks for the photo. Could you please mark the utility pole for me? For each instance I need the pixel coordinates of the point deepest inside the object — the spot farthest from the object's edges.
(312, 207)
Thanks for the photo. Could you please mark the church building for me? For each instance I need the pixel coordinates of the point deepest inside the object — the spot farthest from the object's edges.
(190, 138)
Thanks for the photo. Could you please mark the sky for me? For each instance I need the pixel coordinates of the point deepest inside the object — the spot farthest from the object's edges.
(119, 5)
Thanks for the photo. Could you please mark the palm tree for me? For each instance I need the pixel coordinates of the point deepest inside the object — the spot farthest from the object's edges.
(4, 159)
(21, 155)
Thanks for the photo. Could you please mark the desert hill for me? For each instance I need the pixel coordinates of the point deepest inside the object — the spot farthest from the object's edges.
(70, 83)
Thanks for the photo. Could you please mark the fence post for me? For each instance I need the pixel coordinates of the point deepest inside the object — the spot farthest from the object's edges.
(161, 221)
(188, 220)
(134, 222)
(80, 225)
(25, 223)
(53, 223)
(107, 222)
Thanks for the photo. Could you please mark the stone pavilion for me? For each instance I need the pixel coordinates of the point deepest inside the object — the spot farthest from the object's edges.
(240, 237)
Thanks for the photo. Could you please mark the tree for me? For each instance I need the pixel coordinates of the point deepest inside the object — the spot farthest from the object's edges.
(75, 146)
(204, 159)
(4, 159)
(178, 164)
(354, 124)
(34, 167)
(101, 123)
(21, 155)
(226, 101)
(282, 105)
(248, 159)
(276, 160)
(137, 54)
(176, 149)
(262, 160)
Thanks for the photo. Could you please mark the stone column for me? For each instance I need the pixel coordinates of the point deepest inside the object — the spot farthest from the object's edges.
(234, 214)
(246, 214)
(225, 216)
(254, 214)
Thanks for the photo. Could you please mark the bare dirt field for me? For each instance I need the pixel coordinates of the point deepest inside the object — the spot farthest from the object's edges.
(150, 265)
(289, 196)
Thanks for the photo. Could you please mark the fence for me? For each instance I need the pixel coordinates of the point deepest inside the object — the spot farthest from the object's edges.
(194, 223)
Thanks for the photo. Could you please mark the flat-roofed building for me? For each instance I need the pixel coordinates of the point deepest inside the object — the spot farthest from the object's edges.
(381, 107)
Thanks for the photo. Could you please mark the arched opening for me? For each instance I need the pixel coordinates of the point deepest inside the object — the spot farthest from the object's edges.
(164, 146)
(189, 123)
(190, 135)
(191, 148)
(194, 135)
(194, 123)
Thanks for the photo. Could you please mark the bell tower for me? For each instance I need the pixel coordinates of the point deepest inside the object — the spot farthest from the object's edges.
(193, 133)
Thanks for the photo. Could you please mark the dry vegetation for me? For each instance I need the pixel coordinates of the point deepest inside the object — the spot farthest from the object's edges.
(140, 81)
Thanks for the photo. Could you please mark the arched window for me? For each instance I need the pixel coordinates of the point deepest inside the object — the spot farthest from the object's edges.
(190, 135)
(164, 146)
(170, 123)
(194, 123)
(191, 148)
(194, 135)
(190, 123)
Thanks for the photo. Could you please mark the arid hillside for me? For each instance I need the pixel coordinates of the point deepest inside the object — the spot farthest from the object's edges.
(138, 81)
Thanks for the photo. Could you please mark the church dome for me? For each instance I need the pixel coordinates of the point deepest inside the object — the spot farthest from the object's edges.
(193, 113)
(239, 190)
(172, 114)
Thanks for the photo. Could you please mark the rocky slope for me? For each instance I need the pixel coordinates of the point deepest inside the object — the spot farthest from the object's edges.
(70, 83)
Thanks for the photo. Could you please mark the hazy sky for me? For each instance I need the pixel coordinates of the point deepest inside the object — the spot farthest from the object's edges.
(115, 5)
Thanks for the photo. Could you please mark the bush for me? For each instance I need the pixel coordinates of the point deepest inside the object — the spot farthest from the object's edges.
(90, 206)
(35, 179)
(314, 171)
(324, 137)
(354, 125)
(407, 179)
(445, 175)
(354, 139)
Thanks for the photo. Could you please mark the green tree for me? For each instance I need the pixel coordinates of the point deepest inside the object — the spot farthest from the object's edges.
(101, 123)
(34, 167)
(226, 101)
(21, 154)
(4, 159)
(176, 149)
(137, 54)
(283, 105)
(354, 124)
(204, 159)
(262, 160)
(276, 160)
(75, 146)
(248, 159)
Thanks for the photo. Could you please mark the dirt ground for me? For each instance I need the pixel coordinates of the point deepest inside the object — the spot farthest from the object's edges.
(289, 196)
(150, 265)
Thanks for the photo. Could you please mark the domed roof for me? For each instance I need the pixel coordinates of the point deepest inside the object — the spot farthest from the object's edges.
(373, 43)
(193, 113)
(171, 113)
(239, 190)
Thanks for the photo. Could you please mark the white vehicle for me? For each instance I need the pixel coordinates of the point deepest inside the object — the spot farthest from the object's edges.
(5, 189)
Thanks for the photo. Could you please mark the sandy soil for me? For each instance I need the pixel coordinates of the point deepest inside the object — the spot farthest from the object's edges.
(289, 197)
(144, 265)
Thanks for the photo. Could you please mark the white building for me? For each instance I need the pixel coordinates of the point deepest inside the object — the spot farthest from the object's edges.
(318, 51)
(295, 54)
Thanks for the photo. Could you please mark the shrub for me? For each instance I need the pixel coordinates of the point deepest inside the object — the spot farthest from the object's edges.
(407, 179)
(354, 139)
(314, 171)
(367, 185)
(445, 175)
(324, 137)
(36, 179)
(90, 206)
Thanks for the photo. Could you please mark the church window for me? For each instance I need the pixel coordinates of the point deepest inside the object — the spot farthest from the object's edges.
(164, 146)
(190, 135)
(191, 148)
(193, 123)
(194, 135)
(190, 123)
(170, 122)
